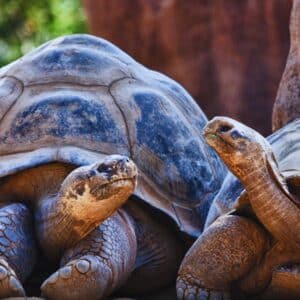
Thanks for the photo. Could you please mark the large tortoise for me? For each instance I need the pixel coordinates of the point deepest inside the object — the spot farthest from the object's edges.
(66, 109)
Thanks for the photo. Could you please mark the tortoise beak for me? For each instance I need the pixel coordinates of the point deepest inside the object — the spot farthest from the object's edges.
(211, 131)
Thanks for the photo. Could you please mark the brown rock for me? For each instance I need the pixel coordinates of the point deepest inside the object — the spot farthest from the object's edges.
(287, 104)
(228, 54)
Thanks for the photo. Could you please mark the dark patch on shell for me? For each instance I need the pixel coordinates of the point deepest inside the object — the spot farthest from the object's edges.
(96, 44)
(63, 117)
(61, 59)
(184, 101)
(184, 166)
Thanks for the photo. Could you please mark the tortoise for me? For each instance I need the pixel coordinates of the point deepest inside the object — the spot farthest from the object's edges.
(285, 110)
(276, 275)
(260, 237)
(79, 119)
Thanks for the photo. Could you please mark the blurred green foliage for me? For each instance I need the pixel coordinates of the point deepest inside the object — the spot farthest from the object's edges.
(25, 24)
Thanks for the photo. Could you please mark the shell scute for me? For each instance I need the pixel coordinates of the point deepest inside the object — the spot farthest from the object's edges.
(63, 117)
(96, 44)
(161, 130)
(63, 61)
(10, 90)
(70, 62)
(181, 99)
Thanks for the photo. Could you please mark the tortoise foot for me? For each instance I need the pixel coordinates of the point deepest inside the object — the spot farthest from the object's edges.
(188, 291)
(10, 286)
(83, 278)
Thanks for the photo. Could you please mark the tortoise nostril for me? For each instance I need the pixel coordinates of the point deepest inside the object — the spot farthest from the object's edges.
(224, 128)
(126, 160)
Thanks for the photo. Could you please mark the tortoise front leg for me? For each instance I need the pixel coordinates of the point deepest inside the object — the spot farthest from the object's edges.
(17, 249)
(224, 253)
(98, 264)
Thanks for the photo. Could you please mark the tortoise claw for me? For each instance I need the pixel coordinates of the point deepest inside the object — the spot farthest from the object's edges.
(10, 286)
(81, 278)
(185, 291)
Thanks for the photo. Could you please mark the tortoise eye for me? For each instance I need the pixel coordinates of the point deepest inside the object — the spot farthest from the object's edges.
(104, 168)
(224, 128)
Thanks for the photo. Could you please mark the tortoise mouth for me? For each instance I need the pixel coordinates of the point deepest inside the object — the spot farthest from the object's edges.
(116, 181)
(105, 190)
(213, 138)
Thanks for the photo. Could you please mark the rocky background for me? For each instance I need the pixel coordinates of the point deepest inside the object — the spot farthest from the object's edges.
(228, 54)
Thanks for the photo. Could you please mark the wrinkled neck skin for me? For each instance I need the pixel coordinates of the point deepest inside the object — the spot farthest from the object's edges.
(33, 185)
(273, 207)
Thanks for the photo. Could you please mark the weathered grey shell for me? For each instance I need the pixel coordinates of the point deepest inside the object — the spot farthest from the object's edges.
(286, 146)
(77, 98)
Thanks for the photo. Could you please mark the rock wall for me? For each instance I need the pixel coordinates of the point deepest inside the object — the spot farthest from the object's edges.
(287, 105)
(228, 54)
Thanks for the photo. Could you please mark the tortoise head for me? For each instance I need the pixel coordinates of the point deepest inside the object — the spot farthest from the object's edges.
(114, 176)
(241, 148)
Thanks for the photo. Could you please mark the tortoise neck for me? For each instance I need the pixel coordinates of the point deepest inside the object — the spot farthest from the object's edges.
(272, 205)
(31, 185)
(256, 180)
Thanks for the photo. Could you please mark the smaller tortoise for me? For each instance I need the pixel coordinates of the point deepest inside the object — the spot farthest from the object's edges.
(244, 248)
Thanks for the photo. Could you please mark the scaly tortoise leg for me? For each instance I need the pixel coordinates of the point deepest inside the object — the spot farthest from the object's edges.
(224, 253)
(96, 265)
(17, 249)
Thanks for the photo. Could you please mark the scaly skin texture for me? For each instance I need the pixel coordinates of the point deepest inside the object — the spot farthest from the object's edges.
(249, 157)
(278, 213)
(17, 249)
(98, 264)
(225, 252)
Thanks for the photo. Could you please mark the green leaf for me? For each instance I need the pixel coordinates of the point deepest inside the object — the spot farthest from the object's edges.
(25, 24)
